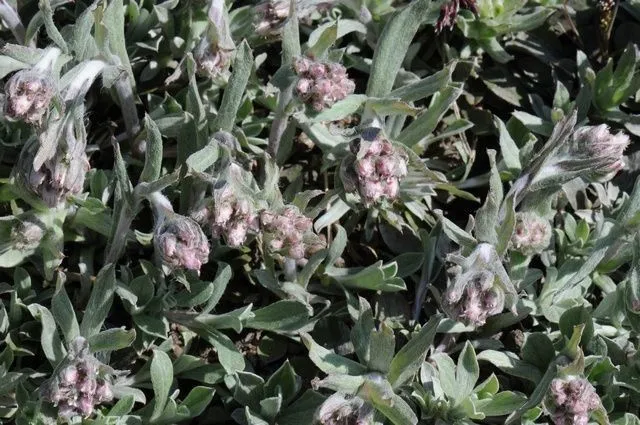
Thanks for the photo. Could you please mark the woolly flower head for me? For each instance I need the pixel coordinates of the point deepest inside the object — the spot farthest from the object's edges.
(57, 178)
(80, 383)
(181, 243)
(28, 95)
(228, 215)
(340, 410)
(481, 287)
(532, 233)
(377, 170)
(571, 400)
(599, 144)
(288, 232)
(321, 84)
(211, 59)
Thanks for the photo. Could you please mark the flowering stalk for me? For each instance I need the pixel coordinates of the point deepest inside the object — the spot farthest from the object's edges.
(178, 240)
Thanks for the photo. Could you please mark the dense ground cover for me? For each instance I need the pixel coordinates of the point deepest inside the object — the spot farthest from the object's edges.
(315, 212)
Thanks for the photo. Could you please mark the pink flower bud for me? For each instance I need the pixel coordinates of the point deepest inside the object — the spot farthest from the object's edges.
(301, 65)
(392, 188)
(317, 70)
(69, 375)
(303, 87)
(365, 167)
(85, 405)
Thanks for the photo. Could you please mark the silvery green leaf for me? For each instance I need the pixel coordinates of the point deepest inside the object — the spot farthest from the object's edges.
(426, 122)
(63, 312)
(341, 109)
(508, 148)
(153, 152)
(52, 346)
(394, 42)
(100, 301)
(234, 92)
(281, 316)
(426, 86)
(407, 361)
(112, 339)
(487, 218)
(318, 49)
(47, 14)
(161, 378)
(291, 36)
(330, 362)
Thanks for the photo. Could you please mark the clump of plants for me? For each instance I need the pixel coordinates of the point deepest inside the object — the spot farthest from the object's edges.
(304, 212)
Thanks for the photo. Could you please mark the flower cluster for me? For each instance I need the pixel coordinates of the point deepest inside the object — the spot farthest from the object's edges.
(449, 13)
(481, 288)
(379, 169)
(28, 95)
(284, 232)
(339, 409)
(321, 84)
(532, 233)
(181, 243)
(228, 216)
(80, 384)
(571, 401)
(478, 300)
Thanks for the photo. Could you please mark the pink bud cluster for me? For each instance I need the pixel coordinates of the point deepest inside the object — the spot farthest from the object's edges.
(79, 385)
(284, 232)
(532, 233)
(28, 95)
(181, 243)
(572, 400)
(321, 84)
(379, 171)
(479, 299)
(211, 59)
(229, 216)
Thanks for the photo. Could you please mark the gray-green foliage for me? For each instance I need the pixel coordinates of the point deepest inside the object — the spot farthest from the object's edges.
(201, 205)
